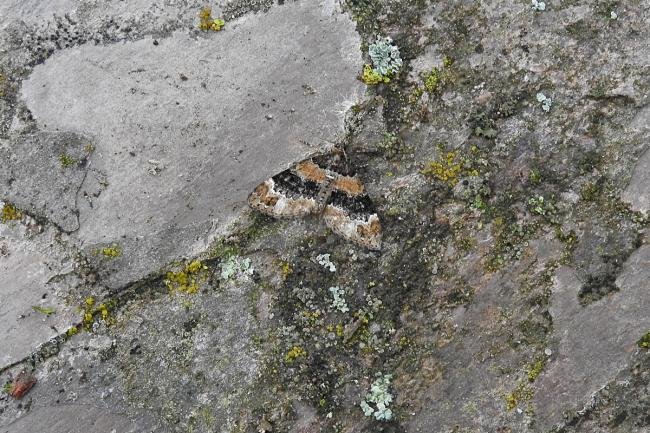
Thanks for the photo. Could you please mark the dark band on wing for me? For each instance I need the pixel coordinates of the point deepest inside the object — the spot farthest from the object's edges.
(293, 186)
(359, 207)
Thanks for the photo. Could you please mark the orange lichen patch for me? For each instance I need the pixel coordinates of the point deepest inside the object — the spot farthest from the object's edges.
(311, 171)
(349, 185)
(262, 195)
(22, 384)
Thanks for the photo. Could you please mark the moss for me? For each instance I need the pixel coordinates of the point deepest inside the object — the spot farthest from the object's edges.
(208, 22)
(510, 241)
(644, 342)
(294, 353)
(535, 176)
(372, 77)
(10, 213)
(534, 369)
(188, 279)
(67, 161)
(73, 330)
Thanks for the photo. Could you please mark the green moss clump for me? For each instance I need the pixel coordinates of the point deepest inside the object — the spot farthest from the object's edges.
(644, 342)
(10, 213)
(66, 160)
(207, 22)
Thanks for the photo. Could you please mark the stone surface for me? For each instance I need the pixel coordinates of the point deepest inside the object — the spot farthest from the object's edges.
(72, 418)
(637, 192)
(30, 274)
(509, 294)
(215, 113)
(595, 342)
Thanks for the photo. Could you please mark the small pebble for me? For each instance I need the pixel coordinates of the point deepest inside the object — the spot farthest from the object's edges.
(548, 352)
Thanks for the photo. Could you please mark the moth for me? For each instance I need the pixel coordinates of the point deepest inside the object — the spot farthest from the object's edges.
(322, 185)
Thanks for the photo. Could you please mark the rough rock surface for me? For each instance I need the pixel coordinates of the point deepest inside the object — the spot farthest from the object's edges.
(508, 160)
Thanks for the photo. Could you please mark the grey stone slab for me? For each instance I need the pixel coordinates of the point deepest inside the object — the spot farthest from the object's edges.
(26, 269)
(595, 341)
(42, 173)
(72, 418)
(215, 114)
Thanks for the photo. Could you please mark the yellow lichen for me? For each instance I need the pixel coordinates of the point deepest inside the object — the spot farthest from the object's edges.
(534, 369)
(10, 213)
(372, 77)
(447, 170)
(102, 311)
(188, 279)
(520, 394)
(207, 22)
(286, 269)
(111, 252)
(294, 353)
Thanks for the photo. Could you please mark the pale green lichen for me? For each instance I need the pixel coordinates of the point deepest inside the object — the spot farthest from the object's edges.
(386, 62)
(644, 342)
(236, 268)
(378, 399)
(545, 101)
(324, 260)
(385, 56)
(338, 299)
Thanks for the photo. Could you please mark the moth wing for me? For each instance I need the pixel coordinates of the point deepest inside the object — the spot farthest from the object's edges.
(351, 214)
(292, 193)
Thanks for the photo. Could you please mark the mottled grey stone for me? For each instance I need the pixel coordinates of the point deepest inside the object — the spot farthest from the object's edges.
(72, 418)
(28, 270)
(595, 341)
(637, 192)
(216, 113)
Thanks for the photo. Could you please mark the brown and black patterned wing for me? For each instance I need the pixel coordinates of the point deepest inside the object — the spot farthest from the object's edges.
(351, 214)
(296, 192)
